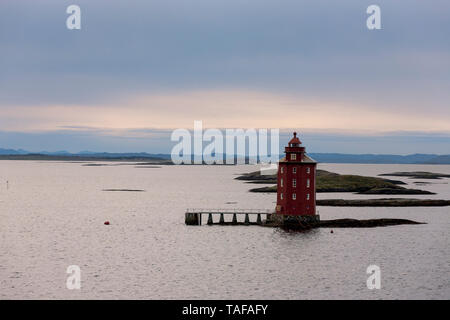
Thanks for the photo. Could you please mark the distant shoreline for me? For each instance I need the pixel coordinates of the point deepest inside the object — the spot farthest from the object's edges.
(150, 160)
(74, 158)
(335, 158)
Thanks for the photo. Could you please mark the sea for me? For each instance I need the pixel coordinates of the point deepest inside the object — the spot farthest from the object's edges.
(52, 217)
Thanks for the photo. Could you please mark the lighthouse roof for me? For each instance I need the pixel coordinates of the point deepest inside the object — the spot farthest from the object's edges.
(305, 159)
(295, 140)
(308, 159)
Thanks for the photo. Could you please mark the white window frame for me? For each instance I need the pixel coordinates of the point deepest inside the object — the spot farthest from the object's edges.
(307, 196)
(294, 170)
(293, 156)
(294, 196)
(308, 170)
(281, 196)
(308, 183)
(281, 182)
(281, 169)
(294, 183)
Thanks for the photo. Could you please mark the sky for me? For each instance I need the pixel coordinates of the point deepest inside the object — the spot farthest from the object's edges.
(137, 70)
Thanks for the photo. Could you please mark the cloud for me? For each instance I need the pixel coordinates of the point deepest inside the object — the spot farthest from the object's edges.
(317, 48)
(219, 109)
(139, 64)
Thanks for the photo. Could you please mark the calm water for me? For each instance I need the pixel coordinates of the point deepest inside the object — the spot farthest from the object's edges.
(52, 215)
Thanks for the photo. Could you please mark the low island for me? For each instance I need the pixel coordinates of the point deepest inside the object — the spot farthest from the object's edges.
(417, 175)
(333, 182)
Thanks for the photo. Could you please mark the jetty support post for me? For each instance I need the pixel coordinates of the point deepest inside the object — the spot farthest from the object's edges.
(234, 218)
(192, 218)
(221, 221)
(247, 220)
(258, 220)
(210, 219)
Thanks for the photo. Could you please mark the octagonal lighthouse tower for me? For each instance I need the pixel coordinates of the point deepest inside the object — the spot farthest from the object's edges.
(296, 188)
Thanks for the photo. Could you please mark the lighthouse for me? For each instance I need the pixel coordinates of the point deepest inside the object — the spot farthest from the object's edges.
(296, 187)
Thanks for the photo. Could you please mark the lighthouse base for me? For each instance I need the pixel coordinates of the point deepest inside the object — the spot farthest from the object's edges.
(295, 222)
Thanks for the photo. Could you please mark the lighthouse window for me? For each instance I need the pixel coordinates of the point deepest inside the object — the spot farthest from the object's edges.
(281, 196)
(281, 169)
(294, 182)
(294, 170)
(281, 182)
(294, 196)
(293, 156)
(307, 196)
(307, 183)
(308, 170)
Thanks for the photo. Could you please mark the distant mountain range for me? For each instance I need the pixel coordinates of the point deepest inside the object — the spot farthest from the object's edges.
(12, 151)
(320, 157)
(84, 154)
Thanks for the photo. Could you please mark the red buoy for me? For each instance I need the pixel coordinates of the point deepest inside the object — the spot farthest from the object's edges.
(107, 223)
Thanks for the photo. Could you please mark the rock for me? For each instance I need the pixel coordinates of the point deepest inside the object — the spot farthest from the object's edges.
(395, 191)
(418, 175)
(389, 202)
(340, 223)
(125, 190)
(264, 189)
(370, 223)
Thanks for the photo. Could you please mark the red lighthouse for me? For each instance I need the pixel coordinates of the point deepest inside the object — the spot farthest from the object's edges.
(296, 189)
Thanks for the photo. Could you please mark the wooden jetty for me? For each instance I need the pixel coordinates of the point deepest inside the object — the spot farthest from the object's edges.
(194, 216)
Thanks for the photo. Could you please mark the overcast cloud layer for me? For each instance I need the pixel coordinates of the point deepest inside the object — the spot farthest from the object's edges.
(281, 64)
